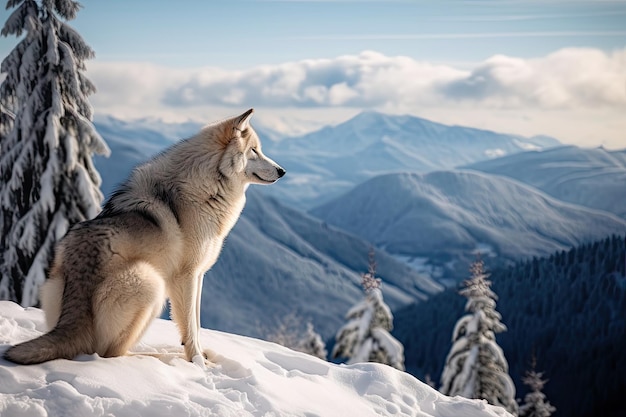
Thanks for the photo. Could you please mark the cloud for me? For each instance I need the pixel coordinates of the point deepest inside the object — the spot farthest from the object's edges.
(569, 78)
(573, 78)
(365, 80)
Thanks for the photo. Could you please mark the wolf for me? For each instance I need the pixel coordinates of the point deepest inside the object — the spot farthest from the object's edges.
(154, 239)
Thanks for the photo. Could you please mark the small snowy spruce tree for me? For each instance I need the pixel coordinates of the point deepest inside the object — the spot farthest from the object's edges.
(47, 177)
(476, 366)
(290, 333)
(535, 404)
(365, 337)
(312, 343)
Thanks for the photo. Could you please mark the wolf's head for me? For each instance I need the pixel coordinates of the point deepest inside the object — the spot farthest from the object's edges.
(242, 156)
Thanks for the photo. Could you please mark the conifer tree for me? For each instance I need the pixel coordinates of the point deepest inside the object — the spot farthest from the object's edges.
(365, 337)
(312, 343)
(290, 333)
(535, 404)
(476, 366)
(47, 177)
(6, 122)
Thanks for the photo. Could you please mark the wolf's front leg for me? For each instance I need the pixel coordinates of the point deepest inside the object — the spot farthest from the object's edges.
(185, 305)
(199, 282)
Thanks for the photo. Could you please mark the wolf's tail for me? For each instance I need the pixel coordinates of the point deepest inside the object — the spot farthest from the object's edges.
(61, 342)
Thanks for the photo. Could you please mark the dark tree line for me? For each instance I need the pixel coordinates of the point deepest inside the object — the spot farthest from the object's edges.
(569, 309)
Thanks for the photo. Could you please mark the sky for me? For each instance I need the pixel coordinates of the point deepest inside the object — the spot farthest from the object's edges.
(528, 67)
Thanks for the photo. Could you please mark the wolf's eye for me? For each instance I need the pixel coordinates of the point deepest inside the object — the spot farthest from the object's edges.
(254, 152)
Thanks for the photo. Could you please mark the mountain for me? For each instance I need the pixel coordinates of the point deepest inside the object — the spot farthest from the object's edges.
(566, 309)
(134, 142)
(447, 216)
(276, 260)
(246, 377)
(593, 178)
(330, 161)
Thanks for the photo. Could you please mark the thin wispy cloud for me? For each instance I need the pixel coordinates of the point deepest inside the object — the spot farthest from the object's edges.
(468, 35)
(525, 17)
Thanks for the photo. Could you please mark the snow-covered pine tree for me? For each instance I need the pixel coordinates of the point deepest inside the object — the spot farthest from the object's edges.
(312, 343)
(47, 177)
(365, 337)
(535, 404)
(290, 333)
(476, 366)
(6, 122)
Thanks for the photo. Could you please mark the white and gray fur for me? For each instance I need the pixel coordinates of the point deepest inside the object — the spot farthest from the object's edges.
(155, 238)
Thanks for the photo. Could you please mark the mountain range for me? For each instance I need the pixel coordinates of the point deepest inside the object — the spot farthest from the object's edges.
(394, 183)
(276, 260)
(280, 259)
(329, 162)
(448, 216)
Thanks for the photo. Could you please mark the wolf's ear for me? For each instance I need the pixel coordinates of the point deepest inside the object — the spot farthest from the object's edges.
(242, 122)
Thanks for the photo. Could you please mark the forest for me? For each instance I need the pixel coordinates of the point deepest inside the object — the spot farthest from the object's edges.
(567, 310)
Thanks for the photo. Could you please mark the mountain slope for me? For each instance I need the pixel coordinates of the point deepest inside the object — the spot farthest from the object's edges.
(330, 161)
(593, 178)
(276, 260)
(450, 214)
(134, 142)
(246, 377)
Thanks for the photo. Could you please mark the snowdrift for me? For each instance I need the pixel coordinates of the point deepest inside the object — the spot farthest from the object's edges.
(247, 377)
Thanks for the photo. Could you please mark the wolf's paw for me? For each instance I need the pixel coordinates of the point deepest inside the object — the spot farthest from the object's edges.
(201, 361)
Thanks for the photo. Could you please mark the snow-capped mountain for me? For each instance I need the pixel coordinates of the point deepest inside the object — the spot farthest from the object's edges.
(276, 260)
(330, 161)
(134, 142)
(246, 377)
(448, 215)
(593, 178)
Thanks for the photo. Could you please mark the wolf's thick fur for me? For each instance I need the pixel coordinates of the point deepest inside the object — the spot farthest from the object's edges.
(155, 238)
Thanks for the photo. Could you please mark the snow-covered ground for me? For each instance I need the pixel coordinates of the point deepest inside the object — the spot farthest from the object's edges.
(247, 377)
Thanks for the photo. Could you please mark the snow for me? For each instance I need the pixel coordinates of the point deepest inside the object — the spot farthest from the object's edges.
(246, 377)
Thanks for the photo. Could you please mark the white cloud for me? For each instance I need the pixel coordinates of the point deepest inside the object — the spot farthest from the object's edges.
(566, 82)
(569, 78)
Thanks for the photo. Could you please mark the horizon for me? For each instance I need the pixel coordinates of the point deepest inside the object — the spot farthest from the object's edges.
(530, 68)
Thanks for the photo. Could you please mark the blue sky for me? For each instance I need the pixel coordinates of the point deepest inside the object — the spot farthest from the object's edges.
(236, 34)
(497, 64)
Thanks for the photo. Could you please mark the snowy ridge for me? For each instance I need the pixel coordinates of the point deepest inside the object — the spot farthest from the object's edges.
(589, 177)
(328, 162)
(451, 214)
(295, 258)
(246, 377)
